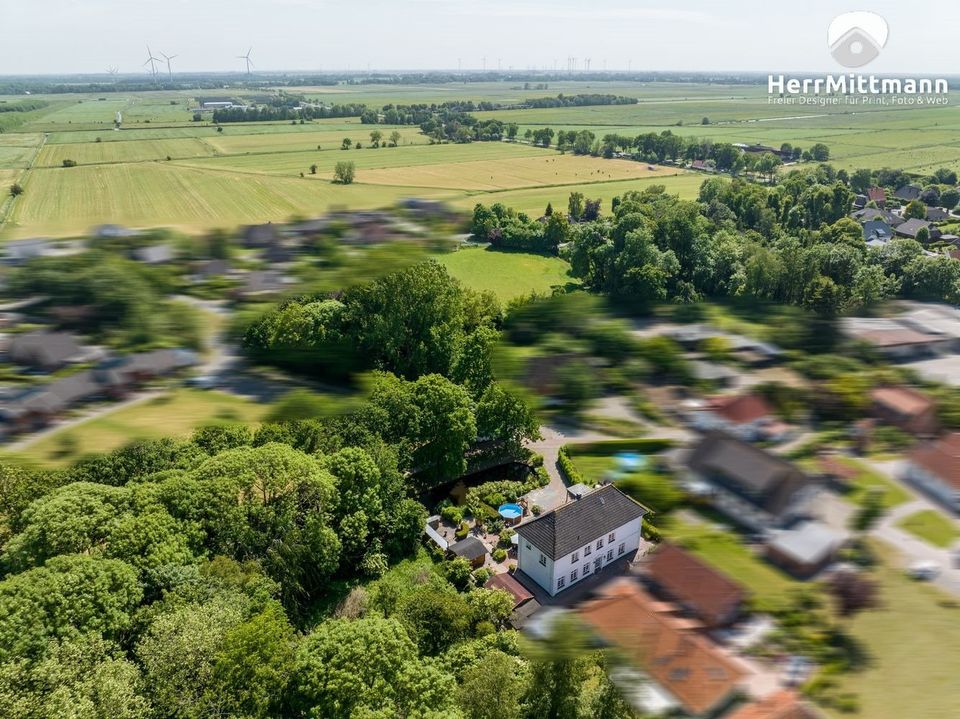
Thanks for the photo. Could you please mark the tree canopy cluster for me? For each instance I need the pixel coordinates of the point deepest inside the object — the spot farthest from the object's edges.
(431, 342)
(792, 243)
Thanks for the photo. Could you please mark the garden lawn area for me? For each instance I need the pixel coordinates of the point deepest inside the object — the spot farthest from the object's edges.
(176, 414)
(913, 640)
(868, 479)
(507, 274)
(723, 549)
(931, 526)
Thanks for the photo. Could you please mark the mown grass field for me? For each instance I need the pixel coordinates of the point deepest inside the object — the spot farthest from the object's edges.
(250, 172)
(507, 274)
(174, 414)
(913, 645)
(931, 526)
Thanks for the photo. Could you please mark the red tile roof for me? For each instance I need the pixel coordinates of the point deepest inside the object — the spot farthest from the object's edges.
(876, 194)
(668, 649)
(941, 458)
(714, 597)
(784, 704)
(741, 409)
(508, 583)
(902, 400)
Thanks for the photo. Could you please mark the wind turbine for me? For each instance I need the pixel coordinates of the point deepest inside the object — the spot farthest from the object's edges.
(247, 59)
(113, 70)
(168, 58)
(152, 62)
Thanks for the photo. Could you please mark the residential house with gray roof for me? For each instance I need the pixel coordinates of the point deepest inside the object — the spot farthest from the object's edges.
(578, 539)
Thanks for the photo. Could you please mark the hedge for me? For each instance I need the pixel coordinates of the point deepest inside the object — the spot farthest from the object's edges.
(644, 444)
(566, 465)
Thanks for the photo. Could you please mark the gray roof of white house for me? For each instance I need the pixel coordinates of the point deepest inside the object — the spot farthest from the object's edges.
(572, 525)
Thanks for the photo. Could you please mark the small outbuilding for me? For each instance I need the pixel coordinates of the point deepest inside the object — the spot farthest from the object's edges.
(805, 548)
(471, 549)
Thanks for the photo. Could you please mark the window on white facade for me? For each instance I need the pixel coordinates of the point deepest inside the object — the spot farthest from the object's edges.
(586, 569)
(573, 575)
(611, 538)
(600, 543)
(610, 556)
(621, 549)
(575, 557)
(597, 564)
(561, 582)
(528, 545)
(543, 560)
(587, 550)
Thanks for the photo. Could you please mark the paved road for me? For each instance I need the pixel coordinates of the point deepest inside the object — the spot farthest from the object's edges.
(555, 493)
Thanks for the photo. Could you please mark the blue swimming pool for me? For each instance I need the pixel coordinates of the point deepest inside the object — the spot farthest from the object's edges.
(630, 461)
(510, 511)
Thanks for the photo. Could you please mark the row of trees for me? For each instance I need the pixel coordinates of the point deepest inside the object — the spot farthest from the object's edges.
(262, 113)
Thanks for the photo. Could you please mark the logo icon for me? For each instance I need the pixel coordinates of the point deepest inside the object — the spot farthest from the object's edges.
(856, 38)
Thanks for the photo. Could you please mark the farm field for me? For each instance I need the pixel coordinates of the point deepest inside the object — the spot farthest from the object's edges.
(173, 414)
(61, 202)
(506, 274)
(250, 172)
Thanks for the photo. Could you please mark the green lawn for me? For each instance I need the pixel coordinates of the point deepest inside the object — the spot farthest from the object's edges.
(868, 479)
(174, 414)
(724, 550)
(931, 526)
(913, 643)
(507, 274)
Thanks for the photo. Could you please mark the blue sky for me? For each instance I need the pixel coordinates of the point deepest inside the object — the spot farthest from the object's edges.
(42, 36)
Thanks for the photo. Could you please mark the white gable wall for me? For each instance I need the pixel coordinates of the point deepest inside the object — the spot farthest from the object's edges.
(548, 576)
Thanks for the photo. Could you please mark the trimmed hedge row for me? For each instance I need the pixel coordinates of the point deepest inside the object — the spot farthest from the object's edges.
(645, 444)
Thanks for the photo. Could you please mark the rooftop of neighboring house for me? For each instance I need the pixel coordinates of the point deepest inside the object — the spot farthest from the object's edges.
(905, 401)
(940, 458)
(876, 194)
(937, 214)
(872, 213)
(44, 348)
(908, 192)
(806, 543)
(740, 409)
(784, 704)
(759, 477)
(153, 254)
(912, 227)
(710, 594)
(570, 526)
(667, 648)
(507, 583)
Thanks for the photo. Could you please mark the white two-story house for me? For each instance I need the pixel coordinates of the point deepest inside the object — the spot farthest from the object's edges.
(574, 541)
